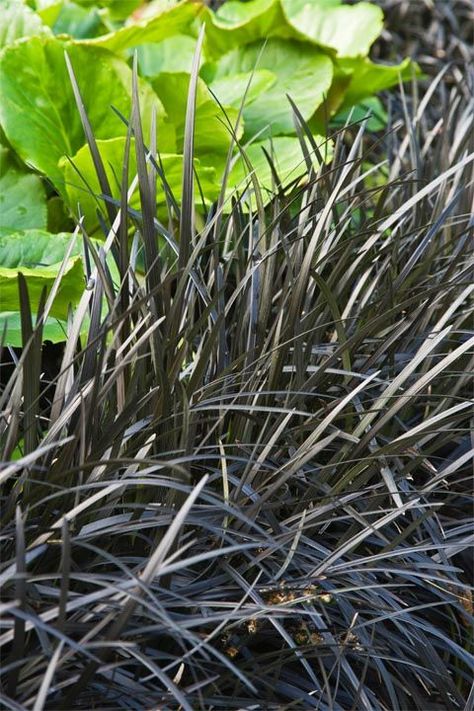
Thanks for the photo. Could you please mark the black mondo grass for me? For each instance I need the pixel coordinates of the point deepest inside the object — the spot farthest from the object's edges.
(247, 481)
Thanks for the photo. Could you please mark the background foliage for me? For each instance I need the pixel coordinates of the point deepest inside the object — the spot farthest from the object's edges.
(265, 50)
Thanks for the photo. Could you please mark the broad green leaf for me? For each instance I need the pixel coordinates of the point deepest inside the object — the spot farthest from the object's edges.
(174, 20)
(112, 152)
(18, 20)
(35, 249)
(79, 22)
(48, 10)
(38, 112)
(237, 23)
(22, 197)
(119, 11)
(124, 8)
(38, 255)
(287, 157)
(368, 78)
(355, 81)
(235, 13)
(174, 54)
(301, 71)
(231, 90)
(211, 132)
(348, 30)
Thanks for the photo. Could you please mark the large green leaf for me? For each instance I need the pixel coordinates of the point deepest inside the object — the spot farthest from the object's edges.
(118, 11)
(301, 71)
(238, 14)
(82, 190)
(38, 112)
(48, 10)
(231, 90)
(355, 81)
(174, 54)
(22, 197)
(79, 22)
(38, 255)
(211, 132)
(174, 20)
(237, 23)
(368, 78)
(287, 157)
(348, 30)
(18, 20)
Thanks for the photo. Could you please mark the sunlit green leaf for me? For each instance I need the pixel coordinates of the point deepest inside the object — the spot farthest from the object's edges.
(300, 71)
(22, 197)
(238, 14)
(348, 30)
(175, 20)
(48, 10)
(38, 111)
(174, 54)
(237, 23)
(81, 190)
(211, 131)
(285, 153)
(355, 81)
(38, 255)
(119, 11)
(368, 78)
(231, 90)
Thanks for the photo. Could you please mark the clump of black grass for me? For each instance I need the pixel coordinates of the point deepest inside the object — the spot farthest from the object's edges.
(248, 484)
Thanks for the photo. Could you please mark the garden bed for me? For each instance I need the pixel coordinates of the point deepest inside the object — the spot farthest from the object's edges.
(236, 464)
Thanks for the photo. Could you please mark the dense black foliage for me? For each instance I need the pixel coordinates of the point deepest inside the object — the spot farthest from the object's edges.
(249, 486)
